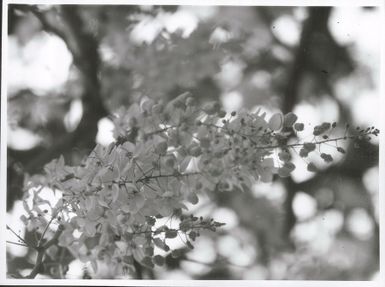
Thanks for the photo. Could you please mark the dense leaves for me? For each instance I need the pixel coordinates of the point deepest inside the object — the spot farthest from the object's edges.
(239, 56)
(165, 156)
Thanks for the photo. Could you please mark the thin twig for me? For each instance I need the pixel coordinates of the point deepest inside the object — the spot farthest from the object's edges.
(45, 231)
(146, 178)
(291, 145)
(18, 236)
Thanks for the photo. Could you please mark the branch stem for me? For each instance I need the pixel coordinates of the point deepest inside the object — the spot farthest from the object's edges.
(44, 232)
(41, 252)
(17, 235)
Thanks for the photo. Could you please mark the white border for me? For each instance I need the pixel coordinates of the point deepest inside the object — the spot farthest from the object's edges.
(3, 156)
(209, 2)
(97, 282)
(382, 152)
(224, 283)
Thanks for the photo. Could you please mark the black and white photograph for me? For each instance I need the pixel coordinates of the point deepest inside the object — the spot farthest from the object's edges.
(184, 142)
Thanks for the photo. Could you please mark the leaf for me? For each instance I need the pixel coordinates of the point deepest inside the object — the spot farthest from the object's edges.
(326, 126)
(103, 202)
(128, 147)
(211, 108)
(311, 167)
(157, 109)
(126, 208)
(138, 201)
(168, 193)
(24, 219)
(91, 242)
(195, 150)
(309, 146)
(161, 229)
(52, 252)
(111, 217)
(66, 238)
(170, 161)
(326, 157)
(205, 142)
(146, 104)
(98, 152)
(149, 251)
(90, 229)
(289, 165)
(150, 220)
(189, 245)
(95, 213)
(148, 192)
(164, 209)
(160, 244)
(140, 240)
(81, 222)
(267, 162)
(192, 198)
(266, 176)
(171, 233)
(320, 129)
(128, 259)
(184, 164)
(104, 238)
(138, 254)
(115, 192)
(108, 175)
(284, 172)
(341, 150)
(276, 122)
(147, 261)
(176, 253)
(303, 152)
(284, 156)
(122, 246)
(221, 114)
(299, 127)
(158, 260)
(161, 148)
(192, 235)
(290, 119)
(56, 168)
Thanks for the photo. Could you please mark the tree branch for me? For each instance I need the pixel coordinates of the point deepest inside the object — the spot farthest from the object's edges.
(41, 249)
(83, 46)
(317, 17)
(17, 235)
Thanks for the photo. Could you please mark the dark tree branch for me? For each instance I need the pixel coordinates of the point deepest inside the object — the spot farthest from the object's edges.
(318, 17)
(68, 25)
(138, 270)
(41, 249)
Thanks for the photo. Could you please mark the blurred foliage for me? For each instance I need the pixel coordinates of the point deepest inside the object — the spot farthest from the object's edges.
(231, 50)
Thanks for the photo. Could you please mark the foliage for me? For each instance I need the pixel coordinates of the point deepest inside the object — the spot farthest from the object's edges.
(138, 202)
(164, 157)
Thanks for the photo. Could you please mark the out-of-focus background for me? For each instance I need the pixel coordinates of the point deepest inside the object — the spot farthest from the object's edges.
(69, 67)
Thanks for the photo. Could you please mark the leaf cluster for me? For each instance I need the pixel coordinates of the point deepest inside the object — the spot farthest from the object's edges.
(166, 155)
